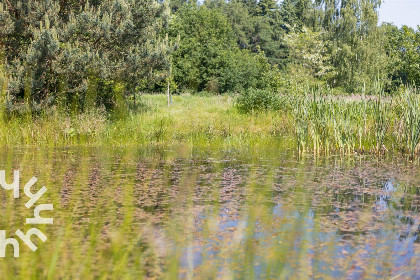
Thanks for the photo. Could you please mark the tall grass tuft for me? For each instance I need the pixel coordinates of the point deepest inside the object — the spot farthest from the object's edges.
(320, 123)
(381, 116)
(301, 116)
(410, 123)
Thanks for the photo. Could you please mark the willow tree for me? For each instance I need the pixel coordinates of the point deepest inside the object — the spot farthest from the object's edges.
(356, 41)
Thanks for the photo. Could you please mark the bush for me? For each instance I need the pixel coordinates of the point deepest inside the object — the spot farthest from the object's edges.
(247, 70)
(258, 100)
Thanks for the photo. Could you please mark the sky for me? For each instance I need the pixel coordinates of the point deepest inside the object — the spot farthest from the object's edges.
(400, 12)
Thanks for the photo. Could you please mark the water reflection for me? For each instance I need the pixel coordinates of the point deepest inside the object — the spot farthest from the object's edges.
(228, 214)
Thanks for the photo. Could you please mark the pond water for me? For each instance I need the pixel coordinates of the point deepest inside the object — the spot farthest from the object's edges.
(199, 214)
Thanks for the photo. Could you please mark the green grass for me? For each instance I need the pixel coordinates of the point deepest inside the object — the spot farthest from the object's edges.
(96, 228)
(312, 123)
(192, 120)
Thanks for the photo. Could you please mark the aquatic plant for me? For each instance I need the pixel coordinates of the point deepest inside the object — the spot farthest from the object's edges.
(313, 122)
(320, 123)
(410, 117)
(381, 116)
(301, 116)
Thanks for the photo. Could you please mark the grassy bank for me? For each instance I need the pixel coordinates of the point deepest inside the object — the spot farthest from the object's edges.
(313, 123)
(193, 120)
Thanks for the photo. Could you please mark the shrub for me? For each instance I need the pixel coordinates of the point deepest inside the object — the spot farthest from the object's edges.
(258, 100)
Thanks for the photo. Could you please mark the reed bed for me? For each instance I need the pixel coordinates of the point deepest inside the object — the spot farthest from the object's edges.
(325, 124)
(313, 122)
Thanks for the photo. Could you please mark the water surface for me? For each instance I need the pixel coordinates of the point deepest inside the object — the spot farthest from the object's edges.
(228, 214)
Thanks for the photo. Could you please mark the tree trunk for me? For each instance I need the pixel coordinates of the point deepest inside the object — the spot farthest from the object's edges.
(169, 95)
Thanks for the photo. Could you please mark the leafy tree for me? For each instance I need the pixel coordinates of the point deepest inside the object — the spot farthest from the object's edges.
(268, 35)
(177, 4)
(104, 46)
(403, 46)
(252, 6)
(242, 21)
(309, 50)
(295, 14)
(208, 57)
(257, 26)
(266, 7)
(355, 41)
(205, 35)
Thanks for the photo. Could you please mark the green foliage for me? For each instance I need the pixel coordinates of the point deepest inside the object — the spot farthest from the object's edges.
(207, 56)
(57, 56)
(382, 117)
(251, 100)
(256, 26)
(206, 40)
(409, 106)
(355, 42)
(308, 50)
(80, 54)
(311, 122)
(403, 48)
(297, 14)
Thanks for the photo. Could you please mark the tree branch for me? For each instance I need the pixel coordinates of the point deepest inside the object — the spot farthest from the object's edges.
(10, 6)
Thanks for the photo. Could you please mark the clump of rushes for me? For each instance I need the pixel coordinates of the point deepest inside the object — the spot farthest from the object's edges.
(381, 116)
(301, 116)
(345, 121)
(320, 123)
(409, 131)
(329, 124)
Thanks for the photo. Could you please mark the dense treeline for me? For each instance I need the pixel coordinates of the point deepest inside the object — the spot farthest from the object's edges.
(81, 53)
(78, 54)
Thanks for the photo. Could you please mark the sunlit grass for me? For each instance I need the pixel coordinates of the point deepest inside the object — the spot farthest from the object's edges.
(192, 120)
(313, 123)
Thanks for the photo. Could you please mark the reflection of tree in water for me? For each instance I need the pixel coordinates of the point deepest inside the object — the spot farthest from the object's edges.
(342, 216)
(348, 201)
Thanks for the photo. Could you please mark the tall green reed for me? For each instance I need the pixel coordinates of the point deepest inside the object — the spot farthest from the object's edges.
(329, 123)
(410, 120)
(381, 116)
(301, 115)
(320, 123)
(345, 123)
